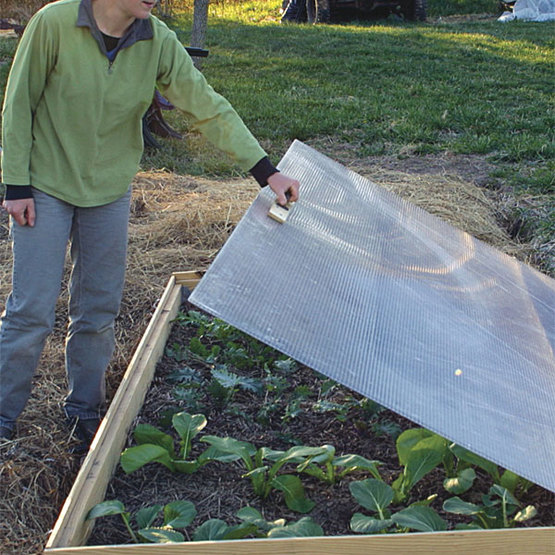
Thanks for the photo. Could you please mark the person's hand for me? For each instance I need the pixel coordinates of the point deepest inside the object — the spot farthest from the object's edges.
(22, 211)
(282, 184)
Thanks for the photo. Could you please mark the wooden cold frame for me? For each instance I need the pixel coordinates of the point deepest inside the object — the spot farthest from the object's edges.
(71, 530)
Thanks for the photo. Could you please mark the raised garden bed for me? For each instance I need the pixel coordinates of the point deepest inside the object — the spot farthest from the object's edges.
(335, 418)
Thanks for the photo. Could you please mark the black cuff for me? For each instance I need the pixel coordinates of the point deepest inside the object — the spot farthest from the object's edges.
(262, 170)
(18, 192)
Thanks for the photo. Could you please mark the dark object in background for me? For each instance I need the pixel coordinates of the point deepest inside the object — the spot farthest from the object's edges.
(12, 24)
(507, 5)
(322, 11)
(153, 121)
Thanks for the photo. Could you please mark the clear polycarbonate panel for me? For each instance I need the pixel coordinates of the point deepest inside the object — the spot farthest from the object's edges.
(399, 306)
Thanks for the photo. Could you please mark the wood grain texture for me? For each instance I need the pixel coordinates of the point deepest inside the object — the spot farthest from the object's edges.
(89, 488)
(522, 541)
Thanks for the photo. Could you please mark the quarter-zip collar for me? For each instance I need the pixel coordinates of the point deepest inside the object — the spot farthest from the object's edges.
(140, 29)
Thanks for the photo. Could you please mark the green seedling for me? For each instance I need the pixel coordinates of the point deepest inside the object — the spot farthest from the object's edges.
(177, 514)
(376, 497)
(216, 529)
(419, 452)
(499, 509)
(264, 477)
(305, 527)
(509, 480)
(154, 446)
(326, 466)
(225, 384)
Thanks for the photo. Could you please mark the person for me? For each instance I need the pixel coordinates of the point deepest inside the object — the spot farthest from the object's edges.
(82, 77)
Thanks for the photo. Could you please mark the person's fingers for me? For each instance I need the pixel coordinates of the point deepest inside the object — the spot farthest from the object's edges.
(294, 191)
(22, 211)
(31, 214)
(19, 217)
(285, 188)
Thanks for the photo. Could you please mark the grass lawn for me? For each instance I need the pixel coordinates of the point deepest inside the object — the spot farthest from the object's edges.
(468, 85)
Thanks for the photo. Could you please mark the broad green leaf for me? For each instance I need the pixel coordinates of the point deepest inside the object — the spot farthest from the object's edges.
(249, 514)
(188, 426)
(419, 463)
(240, 531)
(160, 535)
(146, 516)
(471, 458)
(509, 480)
(106, 508)
(423, 519)
(372, 494)
(252, 515)
(352, 463)
(293, 493)
(325, 456)
(136, 457)
(504, 494)
(270, 454)
(145, 433)
(213, 529)
(526, 514)
(313, 470)
(212, 454)
(300, 451)
(186, 467)
(362, 524)
(232, 446)
(408, 440)
(461, 483)
(459, 507)
(303, 528)
(179, 514)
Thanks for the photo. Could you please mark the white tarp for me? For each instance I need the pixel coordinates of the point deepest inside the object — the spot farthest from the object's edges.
(531, 10)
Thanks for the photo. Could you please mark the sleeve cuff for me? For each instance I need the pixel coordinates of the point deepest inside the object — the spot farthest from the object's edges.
(18, 192)
(263, 170)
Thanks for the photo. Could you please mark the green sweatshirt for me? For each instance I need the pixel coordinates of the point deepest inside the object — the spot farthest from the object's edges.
(72, 120)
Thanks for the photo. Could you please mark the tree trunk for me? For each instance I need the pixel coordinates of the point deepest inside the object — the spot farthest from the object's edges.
(200, 22)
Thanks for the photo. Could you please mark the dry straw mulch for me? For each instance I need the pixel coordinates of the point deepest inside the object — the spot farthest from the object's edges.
(177, 223)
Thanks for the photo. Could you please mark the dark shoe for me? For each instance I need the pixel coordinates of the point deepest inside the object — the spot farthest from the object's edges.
(85, 430)
(5, 433)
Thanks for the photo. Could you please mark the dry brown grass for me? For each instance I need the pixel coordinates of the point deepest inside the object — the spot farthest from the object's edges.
(177, 223)
(21, 10)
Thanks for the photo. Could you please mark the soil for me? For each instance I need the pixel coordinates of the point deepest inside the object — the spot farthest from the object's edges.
(218, 490)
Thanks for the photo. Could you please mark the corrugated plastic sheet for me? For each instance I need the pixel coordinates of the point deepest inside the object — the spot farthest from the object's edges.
(399, 306)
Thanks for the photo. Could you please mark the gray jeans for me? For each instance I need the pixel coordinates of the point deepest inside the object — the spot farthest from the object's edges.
(98, 237)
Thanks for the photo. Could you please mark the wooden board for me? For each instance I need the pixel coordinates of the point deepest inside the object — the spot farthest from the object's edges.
(529, 541)
(99, 465)
(71, 530)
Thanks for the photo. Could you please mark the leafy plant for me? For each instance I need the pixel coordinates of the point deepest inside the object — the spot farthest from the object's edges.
(325, 466)
(499, 509)
(225, 384)
(507, 479)
(419, 452)
(156, 446)
(376, 496)
(278, 528)
(177, 514)
(217, 529)
(264, 478)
